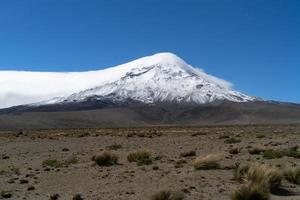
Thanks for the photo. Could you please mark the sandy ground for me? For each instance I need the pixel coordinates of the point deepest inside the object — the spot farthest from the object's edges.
(22, 154)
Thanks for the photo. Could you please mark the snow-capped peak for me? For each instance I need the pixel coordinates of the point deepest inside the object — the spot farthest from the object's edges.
(163, 77)
(151, 79)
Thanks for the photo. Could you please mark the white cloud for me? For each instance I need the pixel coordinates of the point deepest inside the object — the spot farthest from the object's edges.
(210, 78)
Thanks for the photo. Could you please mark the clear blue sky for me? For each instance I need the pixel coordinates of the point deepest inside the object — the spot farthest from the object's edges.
(253, 44)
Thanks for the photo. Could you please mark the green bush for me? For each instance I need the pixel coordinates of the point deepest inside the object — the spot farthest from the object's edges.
(272, 154)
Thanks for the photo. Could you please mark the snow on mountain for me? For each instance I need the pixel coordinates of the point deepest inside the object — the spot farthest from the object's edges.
(156, 78)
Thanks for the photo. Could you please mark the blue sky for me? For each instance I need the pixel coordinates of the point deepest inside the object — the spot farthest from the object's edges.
(253, 44)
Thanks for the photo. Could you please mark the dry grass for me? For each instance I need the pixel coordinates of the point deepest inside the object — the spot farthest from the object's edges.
(251, 191)
(265, 174)
(260, 179)
(105, 159)
(239, 172)
(292, 175)
(208, 162)
(141, 157)
(168, 195)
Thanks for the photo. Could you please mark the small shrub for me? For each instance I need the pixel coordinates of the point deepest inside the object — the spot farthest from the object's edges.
(57, 164)
(15, 170)
(251, 191)
(180, 163)
(292, 152)
(207, 163)
(260, 136)
(52, 163)
(256, 151)
(141, 157)
(114, 147)
(5, 194)
(292, 175)
(272, 154)
(188, 154)
(105, 159)
(72, 160)
(54, 196)
(232, 141)
(234, 151)
(77, 197)
(224, 137)
(168, 195)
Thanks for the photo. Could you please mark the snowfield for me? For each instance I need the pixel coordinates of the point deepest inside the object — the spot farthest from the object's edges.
(156, 78)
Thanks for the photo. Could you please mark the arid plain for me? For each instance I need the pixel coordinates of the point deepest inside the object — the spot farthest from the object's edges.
(63, 164)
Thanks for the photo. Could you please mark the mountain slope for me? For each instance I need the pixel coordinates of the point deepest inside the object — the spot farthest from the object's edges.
(156, 90)
(87, 116)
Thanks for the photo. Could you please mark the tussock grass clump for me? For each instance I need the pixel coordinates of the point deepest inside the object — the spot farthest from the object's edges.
(259, 174)
(207, 163)
(232, 141)
(141, 157)
(188, 153)
(168, 195)
(260, 180)
(292, 175)
(239, 172)
(105, 159)
(251, 191)
(265, 174)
